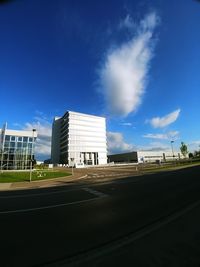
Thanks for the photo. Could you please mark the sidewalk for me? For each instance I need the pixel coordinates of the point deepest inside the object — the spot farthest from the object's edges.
(92, 174)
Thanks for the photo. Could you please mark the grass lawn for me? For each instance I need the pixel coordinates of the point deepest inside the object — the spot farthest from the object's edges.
(9, 177)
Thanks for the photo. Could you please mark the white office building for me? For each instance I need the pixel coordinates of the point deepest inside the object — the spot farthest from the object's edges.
(79, 139)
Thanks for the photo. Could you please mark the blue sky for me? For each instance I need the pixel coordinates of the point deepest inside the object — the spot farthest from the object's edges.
(135, 62)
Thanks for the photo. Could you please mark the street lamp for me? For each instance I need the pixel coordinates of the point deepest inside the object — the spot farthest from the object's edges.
(172, 149)
(31, 163)
(72, 160)
(2, 152)
(2, 142)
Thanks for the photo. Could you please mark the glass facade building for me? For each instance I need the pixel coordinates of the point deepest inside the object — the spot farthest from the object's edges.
(79, 138)
(16, 149)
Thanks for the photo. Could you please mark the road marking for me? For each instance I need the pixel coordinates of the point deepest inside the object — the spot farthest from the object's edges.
(50, 206)
(54, 192)
(94, 192)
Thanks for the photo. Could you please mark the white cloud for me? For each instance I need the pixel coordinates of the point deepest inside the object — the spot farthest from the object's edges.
(155, 146)
(150, 22)
(127, 23)
(126, 124)
(43, 142)
(160, 122)
(123, 76)
(156, 136)
(116, 143)
(172, 135)
(194, 146)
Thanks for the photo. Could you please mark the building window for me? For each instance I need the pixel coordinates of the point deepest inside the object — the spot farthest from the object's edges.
(29, 145)
(13, 138)
(6, 144)
(25, 139)
(12, 144)
(19, 145)
(24, 144)
(7, 138)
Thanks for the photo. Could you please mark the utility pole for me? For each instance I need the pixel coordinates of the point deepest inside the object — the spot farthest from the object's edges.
(172, 149)
(72, 160)
(3, 133)
(31, 162)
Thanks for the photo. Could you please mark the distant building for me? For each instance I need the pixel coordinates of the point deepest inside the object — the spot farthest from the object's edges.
(39, 162)
(130, 157)
(144, 156)
(79, 138)
(152, 156)
(16, 148)
(47, 161)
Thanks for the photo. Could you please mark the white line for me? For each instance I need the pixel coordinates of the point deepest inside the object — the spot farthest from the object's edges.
(49, 207)
(94, 192)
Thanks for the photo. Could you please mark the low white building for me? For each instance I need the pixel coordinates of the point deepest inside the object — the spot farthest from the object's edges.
(79, 138)
(145, 156)
(162, 156)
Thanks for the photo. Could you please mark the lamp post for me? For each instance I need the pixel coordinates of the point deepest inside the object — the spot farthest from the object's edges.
(3, 133)
(31, 162)
(72, 160)
(172, 149)
(2, 152)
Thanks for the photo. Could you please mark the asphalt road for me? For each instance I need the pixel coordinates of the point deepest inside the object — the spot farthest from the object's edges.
(150, 220)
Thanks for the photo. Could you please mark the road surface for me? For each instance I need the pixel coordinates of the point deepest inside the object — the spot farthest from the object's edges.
(150, 220)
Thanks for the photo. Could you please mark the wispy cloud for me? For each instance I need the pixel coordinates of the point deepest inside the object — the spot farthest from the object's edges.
(128, 23)
(155, 146)
(194, 146)
(126, 124)
(156, 136)
(163, 136)
(116, 143)
(161, 122)
(123, 76)
(44, 129)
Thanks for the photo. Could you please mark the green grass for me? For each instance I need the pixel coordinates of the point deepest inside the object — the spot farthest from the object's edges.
(9, 177)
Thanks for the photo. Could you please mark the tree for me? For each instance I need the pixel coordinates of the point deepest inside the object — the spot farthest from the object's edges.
(197, 153)
(184, 149)
(191, 155)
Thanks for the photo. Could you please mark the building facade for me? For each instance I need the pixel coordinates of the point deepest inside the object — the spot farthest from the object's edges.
(145, 156)
(79, 138)
(162, 156)
(129, 157)
(16, 149)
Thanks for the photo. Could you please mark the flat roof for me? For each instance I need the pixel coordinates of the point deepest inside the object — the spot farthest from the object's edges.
(83, 114)
(21, 133)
